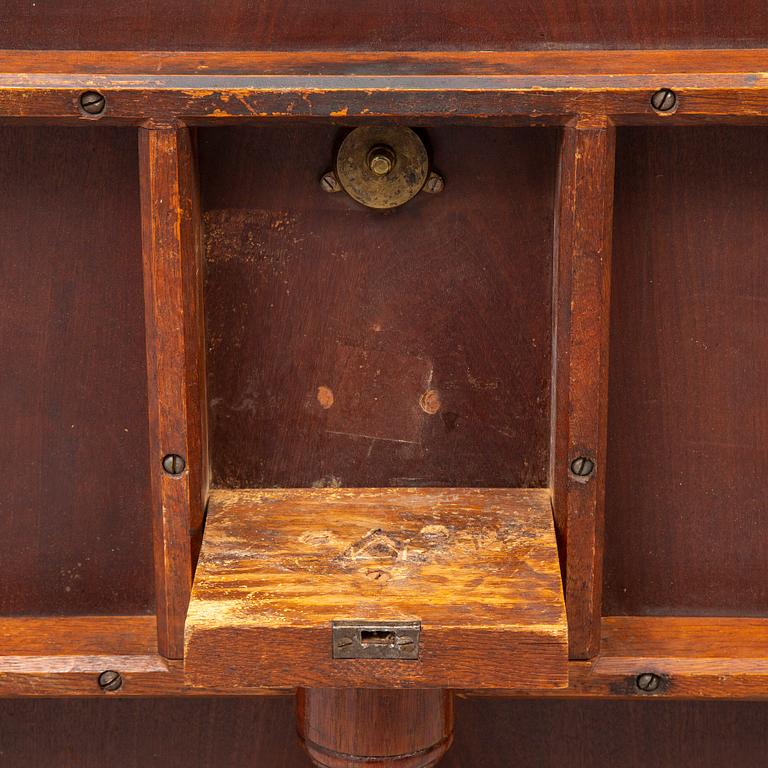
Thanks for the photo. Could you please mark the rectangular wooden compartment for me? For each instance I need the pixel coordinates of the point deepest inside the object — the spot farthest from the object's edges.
(478, 568)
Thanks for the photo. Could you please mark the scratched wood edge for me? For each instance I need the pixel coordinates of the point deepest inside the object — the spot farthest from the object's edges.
(583, 230)
(715, 86)
(172, 289)
(230, 645)
(703, 657)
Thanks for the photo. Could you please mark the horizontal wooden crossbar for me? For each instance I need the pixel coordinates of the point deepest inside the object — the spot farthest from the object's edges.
(548, 87)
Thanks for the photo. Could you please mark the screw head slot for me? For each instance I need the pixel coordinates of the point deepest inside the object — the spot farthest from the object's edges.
(109, 680)
(173, 464)
(664, 100)
(92, 102)
(648, 682)
(582, 466)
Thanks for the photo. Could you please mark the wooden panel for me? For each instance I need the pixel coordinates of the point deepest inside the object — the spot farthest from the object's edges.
(175, 362)
(395, 24)
(328, 322)
(582, 291)
(211, 733)
(74, 510)
(478, 568)
(688, 427)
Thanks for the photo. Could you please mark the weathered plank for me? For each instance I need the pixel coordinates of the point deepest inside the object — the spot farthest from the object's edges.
(477, 568)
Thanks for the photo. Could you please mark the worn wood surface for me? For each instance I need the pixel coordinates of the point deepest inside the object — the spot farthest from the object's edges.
(688, 427)
(175, 364)
(477, 567)
(375, 24)
(371, 349)
(715, 658)
(350, 727)
(74, 507)
(514, 88)
(211, 733)
(580, 385)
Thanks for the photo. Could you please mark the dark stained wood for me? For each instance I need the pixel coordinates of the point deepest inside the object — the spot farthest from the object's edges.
(514, 88)
(174, 732)
(478, 569)
(582, 293)
(688, 427)
(213, 733)
(554, 734)
(175, 362)
(74, 507)
(376, 24)
(328, 322)
(350, 727)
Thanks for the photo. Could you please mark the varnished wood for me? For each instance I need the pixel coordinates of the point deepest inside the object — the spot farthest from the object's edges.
(582, 290)
(342, 320)
(477, 567)
(714, 658)
(350, 727)
(74, 507)
(694, 658)
(217, 733)
(395, 24)
(175, 363)
(688, 426)
(711, 85)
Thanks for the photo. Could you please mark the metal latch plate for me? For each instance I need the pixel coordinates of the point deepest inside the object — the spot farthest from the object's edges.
(376, 640)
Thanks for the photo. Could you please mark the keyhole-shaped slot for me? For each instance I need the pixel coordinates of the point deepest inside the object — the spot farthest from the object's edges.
(370, 637)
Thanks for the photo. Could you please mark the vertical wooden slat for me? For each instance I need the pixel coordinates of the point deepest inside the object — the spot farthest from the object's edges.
(583, 232)
(174, 338)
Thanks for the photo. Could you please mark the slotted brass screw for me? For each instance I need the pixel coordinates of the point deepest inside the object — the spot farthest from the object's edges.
(92, 102)
(582, 466)
(664, 100)
(647, 682)
(109, 680)
(434, 183)
(174, 464)
(330, 183)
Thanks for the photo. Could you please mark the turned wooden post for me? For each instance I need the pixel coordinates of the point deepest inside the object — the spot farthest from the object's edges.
(395, 728)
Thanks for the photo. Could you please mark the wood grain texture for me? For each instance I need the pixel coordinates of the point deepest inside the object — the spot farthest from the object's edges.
(705, 658)
(688, 428)
(351, 727)
(580, 397)
(74, 508)
(212, 733)
(375, 24)
(714, 658)
(477, 567)
(175, 364)
(515, 88)
(328, 322)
